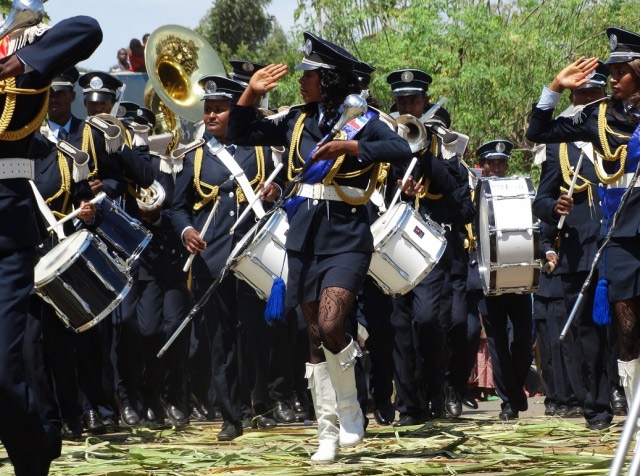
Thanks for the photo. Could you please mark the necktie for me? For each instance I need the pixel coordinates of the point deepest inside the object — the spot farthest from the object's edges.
(231, 149)
(62, 134)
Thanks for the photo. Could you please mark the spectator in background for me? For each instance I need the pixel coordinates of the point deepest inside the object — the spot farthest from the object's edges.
(136, 56)
(123, 62)
(145, 38)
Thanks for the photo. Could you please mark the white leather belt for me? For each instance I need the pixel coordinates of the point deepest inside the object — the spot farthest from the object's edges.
(624, 181)
(318, 191)
(16, 168)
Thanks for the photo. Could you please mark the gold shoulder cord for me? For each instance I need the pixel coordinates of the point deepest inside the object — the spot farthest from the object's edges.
(65, 186)
(619, 155)
(567, 174)
(87, 143)
(260, 175)
(197, 168)
(8, 88)
(333, 173)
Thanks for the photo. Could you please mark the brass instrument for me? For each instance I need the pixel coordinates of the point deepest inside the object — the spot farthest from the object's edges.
(150, 198)
(23, 14)
(176, 59)
(416, 132)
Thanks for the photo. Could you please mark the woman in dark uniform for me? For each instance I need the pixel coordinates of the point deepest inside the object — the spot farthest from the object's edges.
(608, 124)
(329, 244)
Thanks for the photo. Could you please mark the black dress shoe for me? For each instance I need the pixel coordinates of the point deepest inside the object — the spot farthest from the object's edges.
(93, 422)
(550, 409)
(508, 413)
(302, 413)
(575, 411)
(128, 414)
(407, 420)
(598, 425)
(264, 422)
(618, 402)
(247, 423)
(384, 413)
(71, 431)
(230, 431)
(283, 412)
(452, 404)
(468, 400)
(176, 416)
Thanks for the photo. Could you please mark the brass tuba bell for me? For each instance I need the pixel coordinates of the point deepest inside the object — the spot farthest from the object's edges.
(176, 59)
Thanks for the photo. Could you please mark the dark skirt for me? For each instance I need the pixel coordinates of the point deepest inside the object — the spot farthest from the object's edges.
(310, 274)
(620, 265)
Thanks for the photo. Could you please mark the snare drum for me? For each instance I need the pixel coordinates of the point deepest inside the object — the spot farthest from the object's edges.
(508, 235)
(265, 258)
(124, 236)
(407, 247)
(81, 281)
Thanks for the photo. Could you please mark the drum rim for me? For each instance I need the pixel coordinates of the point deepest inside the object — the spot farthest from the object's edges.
(56, 272)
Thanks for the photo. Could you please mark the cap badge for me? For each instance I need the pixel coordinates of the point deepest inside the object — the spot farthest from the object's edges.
(500, 147)
(210, 87)
(96, 83)
(613, 42)
(407, 76)
(122, 111)
(139, 112)
(308, 47)
(247, 67)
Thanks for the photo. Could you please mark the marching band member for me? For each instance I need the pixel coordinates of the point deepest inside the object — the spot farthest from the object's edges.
(329, 244)
(608, 125)
(424, 315)
(586, 346)
(30, 443)
(205, 178)
(510, 354)
(265, 350)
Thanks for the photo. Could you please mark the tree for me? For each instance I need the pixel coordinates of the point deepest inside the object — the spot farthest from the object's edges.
(229, 24)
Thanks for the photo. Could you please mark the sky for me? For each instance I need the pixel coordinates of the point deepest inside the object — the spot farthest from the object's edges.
(122, 20)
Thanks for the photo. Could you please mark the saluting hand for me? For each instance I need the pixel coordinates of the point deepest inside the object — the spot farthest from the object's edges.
(574, 75)
(266, 79)
(194, 244)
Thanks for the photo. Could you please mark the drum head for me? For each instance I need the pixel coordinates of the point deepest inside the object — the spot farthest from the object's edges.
(62, 255)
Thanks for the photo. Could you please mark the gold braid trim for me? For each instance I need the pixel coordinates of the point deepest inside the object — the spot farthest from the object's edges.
(87, 143)
(197, 168)
(568, 172)
(65, 186)
(620, 154)
(260, 175)
(425, 193)
(8, 88)
(295, 147)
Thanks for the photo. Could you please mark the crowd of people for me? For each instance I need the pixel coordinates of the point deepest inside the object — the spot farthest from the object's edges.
(115, 282)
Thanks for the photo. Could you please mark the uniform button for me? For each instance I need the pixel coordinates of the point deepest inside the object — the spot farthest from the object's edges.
(230, 194)
(173, 252)
(315, 202)
(162, 247)
(353, 210)
(231, 213)
(600, 203)
(566, 235)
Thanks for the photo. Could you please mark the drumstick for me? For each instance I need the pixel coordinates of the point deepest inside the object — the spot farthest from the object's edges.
(187, 265)
(412, 164)
(573, 184)
(250, 207)
(77, 211)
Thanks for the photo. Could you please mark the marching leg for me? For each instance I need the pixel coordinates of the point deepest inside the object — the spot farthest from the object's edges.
(341, 371)
(324, 402)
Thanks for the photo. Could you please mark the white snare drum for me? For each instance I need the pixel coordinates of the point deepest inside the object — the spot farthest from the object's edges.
(508, 235)
(407, 247)
(124, 236)
(265, 258)
(81, 281)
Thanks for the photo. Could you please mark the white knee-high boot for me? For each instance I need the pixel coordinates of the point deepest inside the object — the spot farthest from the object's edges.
(324, 402)
(629, 372)
(342, 373)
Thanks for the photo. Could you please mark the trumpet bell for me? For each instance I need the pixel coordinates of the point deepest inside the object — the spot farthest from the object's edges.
(176, 59)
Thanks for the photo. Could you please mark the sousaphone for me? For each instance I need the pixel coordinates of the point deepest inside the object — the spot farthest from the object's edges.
(176, 58)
